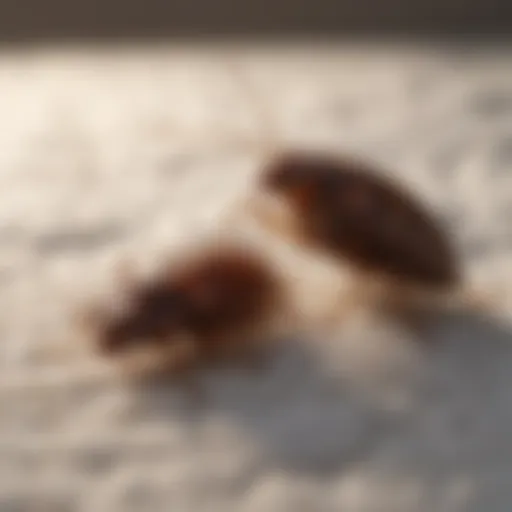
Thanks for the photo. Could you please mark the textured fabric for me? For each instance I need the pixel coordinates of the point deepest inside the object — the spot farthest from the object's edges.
(129, 154)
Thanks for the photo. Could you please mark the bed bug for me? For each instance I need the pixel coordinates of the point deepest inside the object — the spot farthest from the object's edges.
(212, 304)
(395, 248)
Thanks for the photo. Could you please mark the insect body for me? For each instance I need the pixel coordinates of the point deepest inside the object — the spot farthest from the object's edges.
(349, 211)
(355, 214)
(214, 303)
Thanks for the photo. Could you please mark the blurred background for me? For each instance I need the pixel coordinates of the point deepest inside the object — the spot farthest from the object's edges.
(123, 131)
(30, 21)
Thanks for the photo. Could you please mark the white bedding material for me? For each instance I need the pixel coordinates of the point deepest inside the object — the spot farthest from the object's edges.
(131, 152)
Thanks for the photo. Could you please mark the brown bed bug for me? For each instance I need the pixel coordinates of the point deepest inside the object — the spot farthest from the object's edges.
(351, 212)
(213, 303)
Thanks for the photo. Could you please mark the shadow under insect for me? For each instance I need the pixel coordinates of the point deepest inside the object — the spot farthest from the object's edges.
(458, 428)
(309, 420)
(296, 412)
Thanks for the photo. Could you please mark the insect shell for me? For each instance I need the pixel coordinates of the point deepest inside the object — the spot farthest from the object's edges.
(351, 212)
(211, 304)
